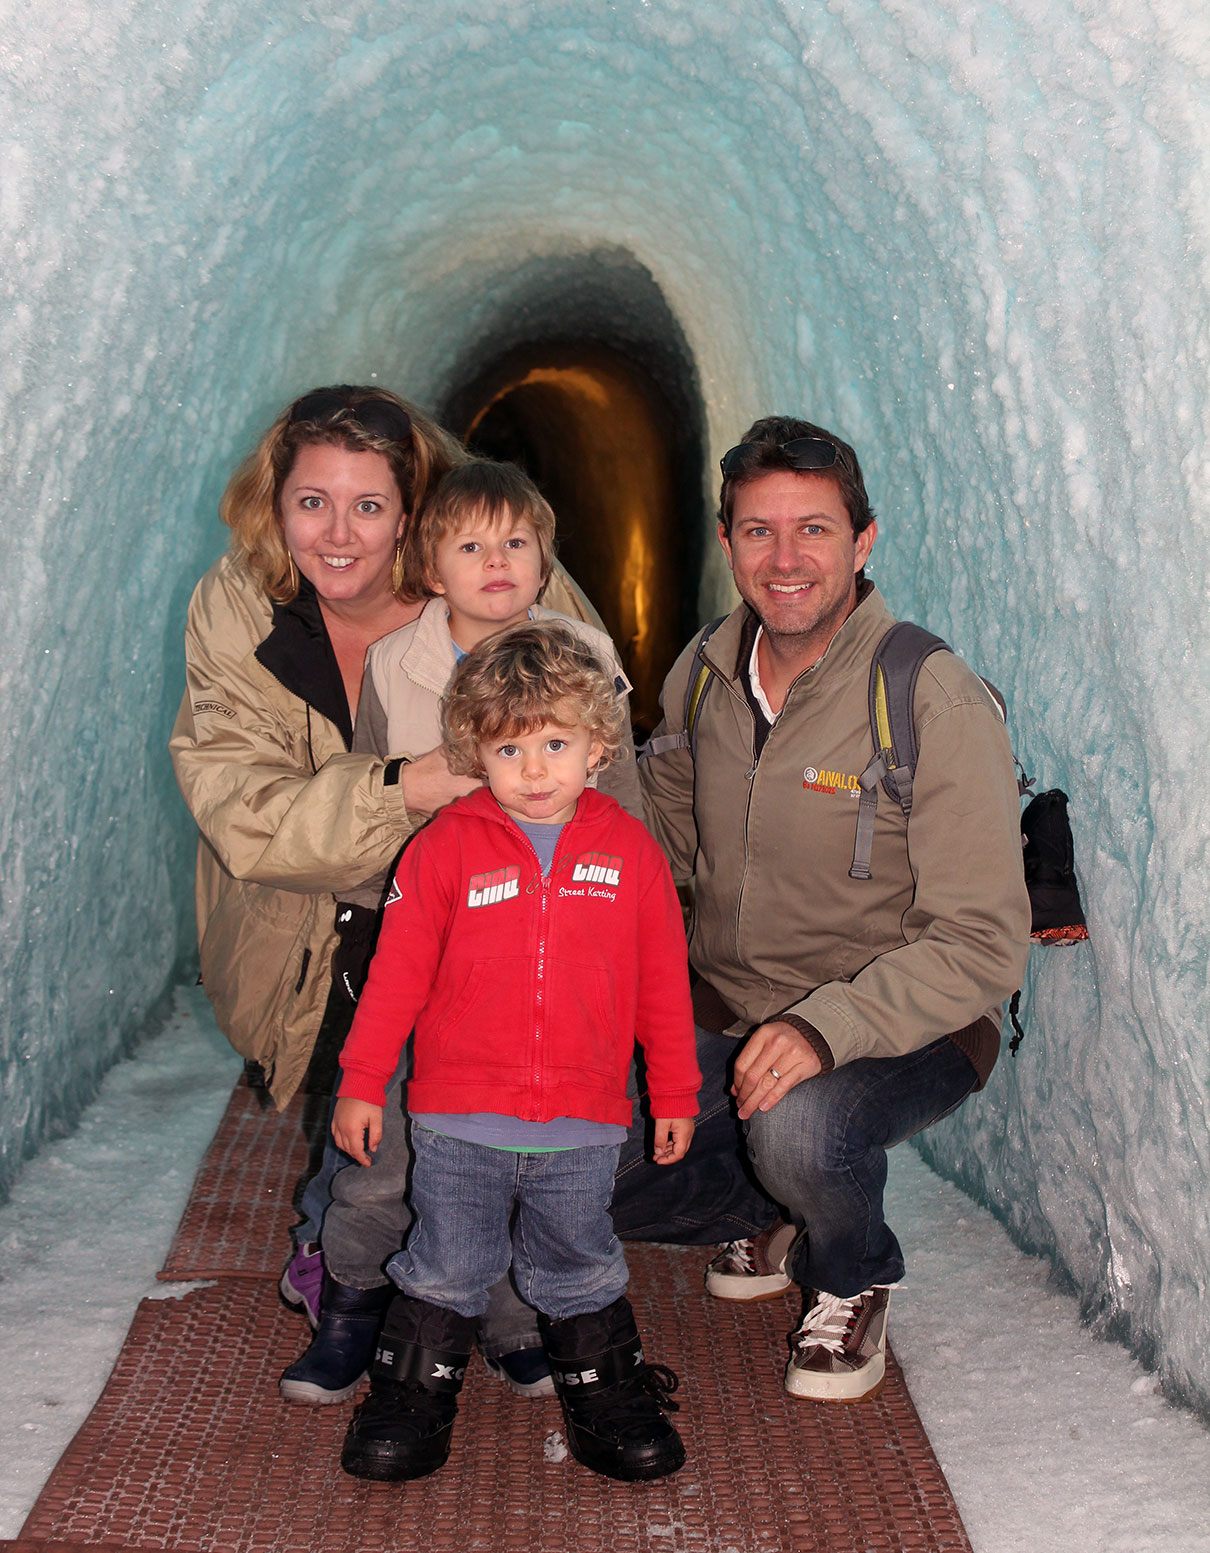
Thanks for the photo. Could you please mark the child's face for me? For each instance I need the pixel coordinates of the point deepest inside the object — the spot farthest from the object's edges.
(538, 776)
(488, 575)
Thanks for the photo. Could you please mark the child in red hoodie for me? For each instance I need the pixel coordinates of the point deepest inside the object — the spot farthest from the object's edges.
(532, 933)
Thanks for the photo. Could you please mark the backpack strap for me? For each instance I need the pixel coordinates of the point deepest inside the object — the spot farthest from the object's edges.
(1025, 784)
(893, 674)
(700, 675)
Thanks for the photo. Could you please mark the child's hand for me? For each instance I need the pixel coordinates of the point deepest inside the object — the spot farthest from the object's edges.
(357, 1127)
(672, 1139)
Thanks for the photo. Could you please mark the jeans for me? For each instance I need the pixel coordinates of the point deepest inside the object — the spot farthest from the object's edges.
(368, 1217)
(317, 1194)
(565, 1258)
(709, 1196)
(821, 1151)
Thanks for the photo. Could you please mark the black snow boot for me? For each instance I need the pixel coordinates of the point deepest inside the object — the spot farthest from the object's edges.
(613, 1400)
(340, 1352)
(402, 1430)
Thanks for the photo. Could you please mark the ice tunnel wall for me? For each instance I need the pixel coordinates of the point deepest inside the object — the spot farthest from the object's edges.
(971, 237)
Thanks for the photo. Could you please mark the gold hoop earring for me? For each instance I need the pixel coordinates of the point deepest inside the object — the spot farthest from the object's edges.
(397, 567)
(293, 574)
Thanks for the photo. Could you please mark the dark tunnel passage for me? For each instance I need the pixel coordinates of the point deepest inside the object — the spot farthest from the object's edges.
(609, 425)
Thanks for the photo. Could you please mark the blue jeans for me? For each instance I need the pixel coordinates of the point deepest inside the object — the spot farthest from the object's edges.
(821, 1151)
(317, 1194)
(565, 1257)
(712, 1194)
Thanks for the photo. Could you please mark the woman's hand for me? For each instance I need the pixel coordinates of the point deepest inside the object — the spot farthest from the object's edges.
(671, 1139)
(357, 1128)
(428, 784)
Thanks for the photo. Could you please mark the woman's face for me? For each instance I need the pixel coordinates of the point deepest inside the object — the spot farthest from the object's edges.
(341, 514)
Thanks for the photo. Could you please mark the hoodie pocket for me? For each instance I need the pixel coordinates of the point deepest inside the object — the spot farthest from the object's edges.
(583, 1033)
(480, 1026)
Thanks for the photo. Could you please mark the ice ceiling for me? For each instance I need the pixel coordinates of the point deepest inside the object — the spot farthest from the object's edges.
(972, 236)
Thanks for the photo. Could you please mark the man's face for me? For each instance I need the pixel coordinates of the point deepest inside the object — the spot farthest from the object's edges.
(794, 555)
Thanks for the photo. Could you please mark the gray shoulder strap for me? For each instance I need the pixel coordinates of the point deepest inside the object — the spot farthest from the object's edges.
(893, 675)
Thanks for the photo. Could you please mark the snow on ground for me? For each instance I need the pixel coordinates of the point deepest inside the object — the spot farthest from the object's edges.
(89, 1223)
(1051, 1441)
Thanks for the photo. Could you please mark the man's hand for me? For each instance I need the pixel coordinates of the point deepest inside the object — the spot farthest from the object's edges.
(774, 1060)
(672, 1139)
(357, 1128)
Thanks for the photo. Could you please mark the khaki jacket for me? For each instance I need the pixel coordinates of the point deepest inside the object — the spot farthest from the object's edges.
(408, 672)
(936, 940)
(289, 819)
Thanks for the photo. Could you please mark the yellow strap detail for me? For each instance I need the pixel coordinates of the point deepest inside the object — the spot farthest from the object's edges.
(699, 687)
(881, 716)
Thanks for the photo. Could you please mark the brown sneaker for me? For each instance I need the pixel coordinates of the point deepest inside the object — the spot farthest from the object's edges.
(753, 1269)
(840, 1348)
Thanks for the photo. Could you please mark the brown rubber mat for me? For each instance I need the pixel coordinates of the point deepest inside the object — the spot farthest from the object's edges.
(236, 1220)
(189, 1450)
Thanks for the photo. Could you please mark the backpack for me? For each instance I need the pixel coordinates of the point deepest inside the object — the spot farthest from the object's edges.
(1057, 915)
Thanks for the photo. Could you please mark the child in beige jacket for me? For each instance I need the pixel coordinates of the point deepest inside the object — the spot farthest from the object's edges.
(481, 550)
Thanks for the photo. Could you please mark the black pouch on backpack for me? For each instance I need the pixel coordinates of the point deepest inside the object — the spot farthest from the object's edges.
(1050, 875)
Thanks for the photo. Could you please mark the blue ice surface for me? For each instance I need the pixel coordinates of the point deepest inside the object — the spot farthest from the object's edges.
(973, 239)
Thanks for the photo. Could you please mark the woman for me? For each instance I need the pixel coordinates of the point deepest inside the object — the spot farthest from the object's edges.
(297, 831)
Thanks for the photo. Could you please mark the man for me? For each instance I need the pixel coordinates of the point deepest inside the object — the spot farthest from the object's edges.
(867, 1008)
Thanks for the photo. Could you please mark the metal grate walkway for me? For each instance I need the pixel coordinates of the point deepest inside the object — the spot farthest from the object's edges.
(190, 1450)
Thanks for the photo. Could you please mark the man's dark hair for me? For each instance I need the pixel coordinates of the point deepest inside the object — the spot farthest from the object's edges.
(766, 438)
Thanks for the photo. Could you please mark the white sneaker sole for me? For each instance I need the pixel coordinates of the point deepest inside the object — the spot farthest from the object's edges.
(744, 1287)
(306, 1391)
(851, 1386)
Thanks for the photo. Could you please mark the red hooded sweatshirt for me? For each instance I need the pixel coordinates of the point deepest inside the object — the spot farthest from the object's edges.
(527, 993)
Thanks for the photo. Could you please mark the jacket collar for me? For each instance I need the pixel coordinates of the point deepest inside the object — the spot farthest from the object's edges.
(424, 650)
(730, 648)
(480, 804)
(299, 655)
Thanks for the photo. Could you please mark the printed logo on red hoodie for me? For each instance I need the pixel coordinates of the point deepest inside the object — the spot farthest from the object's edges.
(597, 868)
(502, 884)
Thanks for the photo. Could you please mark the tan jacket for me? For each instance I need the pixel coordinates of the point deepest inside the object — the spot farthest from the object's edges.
(929, 946)
(289, 818)
(407, 674)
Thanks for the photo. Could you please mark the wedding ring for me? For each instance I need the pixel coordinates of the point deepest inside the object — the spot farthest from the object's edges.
(773, 1073)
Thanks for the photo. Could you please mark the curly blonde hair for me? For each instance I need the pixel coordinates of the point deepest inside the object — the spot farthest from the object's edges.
(363, 420)
(480, 488)
(526, 675)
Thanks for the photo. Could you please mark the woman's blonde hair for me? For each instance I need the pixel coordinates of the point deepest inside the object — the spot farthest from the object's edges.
(363, 420)
(480, 488)
(532, 673)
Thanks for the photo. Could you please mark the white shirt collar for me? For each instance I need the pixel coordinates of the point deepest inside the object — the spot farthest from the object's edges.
(754, 679)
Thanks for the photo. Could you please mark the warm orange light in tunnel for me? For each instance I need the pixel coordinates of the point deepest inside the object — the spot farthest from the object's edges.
(590, 434)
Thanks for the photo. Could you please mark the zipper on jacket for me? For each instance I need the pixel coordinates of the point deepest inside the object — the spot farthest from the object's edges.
(302, 975)
(540, 984)
(540, 959)
(750, 778)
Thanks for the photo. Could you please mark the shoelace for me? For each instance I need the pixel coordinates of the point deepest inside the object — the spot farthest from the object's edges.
(397, 1401)
(741, 1251)
(827, 1324)
(659, 1382)
(656, 1381)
